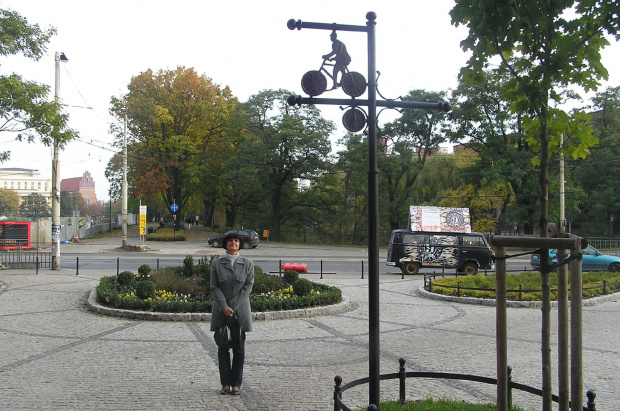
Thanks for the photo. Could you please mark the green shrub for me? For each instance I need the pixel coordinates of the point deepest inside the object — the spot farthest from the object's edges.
(302, 287)
(166, 234)
(264, 283)
(188, 266)
(291, 276)
(145, 289)
(258, 270)
(529, 282)
(125, 277)
(144, 270)
(203, 272)
(172, 279)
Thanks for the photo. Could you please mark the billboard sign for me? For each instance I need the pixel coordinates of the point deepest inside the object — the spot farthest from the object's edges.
(439, 219)
(14, 235)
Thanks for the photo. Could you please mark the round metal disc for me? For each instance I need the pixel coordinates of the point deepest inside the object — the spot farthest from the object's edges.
(313, 83)
(354, 120)
(354, 84)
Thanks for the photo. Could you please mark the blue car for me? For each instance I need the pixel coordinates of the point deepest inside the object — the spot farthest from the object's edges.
(593, 260)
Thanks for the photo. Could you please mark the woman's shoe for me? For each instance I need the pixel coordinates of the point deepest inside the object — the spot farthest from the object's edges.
(236, 391)
(225, 390)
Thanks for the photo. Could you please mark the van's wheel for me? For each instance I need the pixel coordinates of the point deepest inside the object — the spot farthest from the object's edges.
(215, 243)
(246, 246)
(411, 268)
(614, 267)
(469, 269)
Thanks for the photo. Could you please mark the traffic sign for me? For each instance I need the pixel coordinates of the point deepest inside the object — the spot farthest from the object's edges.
(174, 207)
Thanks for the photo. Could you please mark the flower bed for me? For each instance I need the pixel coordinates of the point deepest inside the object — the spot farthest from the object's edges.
(185, 290)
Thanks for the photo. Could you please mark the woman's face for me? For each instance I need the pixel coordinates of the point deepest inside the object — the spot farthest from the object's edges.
(232, 246)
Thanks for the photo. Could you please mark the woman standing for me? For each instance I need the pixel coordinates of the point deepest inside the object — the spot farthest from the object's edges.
(232, 278)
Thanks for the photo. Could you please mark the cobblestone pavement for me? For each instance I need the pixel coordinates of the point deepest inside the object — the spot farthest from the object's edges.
(56, 354)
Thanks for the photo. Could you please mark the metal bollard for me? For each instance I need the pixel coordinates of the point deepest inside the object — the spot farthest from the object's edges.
(118, 264)
(37, 272)
(362, 270)
(402, 377)
(77, 265)
(337, 392)
(321, 269)
(158, 264)
(509, 386)
(591, 406)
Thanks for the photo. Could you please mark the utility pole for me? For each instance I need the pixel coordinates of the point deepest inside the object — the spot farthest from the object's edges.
(124, 188)
(56, 173)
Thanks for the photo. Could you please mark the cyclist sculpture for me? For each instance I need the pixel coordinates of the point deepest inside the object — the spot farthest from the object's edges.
(340, 56)
(353, 84)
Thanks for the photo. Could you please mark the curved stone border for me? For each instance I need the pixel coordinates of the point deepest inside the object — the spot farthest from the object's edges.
(518, 304)
(93, 305)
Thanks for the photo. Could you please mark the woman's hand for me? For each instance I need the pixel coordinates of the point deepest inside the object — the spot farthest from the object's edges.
(228, 312)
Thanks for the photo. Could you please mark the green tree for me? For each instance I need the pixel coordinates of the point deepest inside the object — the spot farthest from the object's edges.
(24, 105)
(353, 206)
(410, 141)
(70, 202)
(598, 176)
(9, 202)
(481, 120)
(35, 206)
(174, 119)
(542, 47)
(289, 143)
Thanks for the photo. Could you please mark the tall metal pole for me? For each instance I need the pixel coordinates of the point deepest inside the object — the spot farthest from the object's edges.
(56, 173)
(374, 370)
(501, 330)
(563, 308)
(124, 188)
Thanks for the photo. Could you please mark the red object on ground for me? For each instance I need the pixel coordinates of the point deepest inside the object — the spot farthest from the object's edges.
(299, 267)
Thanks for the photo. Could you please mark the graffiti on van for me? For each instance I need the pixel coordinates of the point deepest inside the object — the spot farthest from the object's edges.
(439, 252)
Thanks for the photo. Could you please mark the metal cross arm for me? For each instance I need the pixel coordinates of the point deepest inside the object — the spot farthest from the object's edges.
(293, 24)
(299, 100)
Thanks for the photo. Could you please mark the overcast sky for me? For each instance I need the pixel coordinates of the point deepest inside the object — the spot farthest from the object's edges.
(244, 45)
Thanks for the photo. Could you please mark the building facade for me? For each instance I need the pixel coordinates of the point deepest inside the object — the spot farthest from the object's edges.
(25, 182)
(84, 185)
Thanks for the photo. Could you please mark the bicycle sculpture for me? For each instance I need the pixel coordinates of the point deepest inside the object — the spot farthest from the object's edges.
(314, 82)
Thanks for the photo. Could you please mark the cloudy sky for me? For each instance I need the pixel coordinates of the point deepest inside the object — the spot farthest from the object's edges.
(242, 44)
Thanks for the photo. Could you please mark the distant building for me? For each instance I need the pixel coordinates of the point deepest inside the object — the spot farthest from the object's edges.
(26, 181)
(84, 185)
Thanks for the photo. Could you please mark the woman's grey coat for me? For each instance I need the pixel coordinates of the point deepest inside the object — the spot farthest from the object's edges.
(231, 287)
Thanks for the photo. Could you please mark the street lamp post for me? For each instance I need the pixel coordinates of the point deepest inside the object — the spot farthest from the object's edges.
(56, 173)
(354, 85)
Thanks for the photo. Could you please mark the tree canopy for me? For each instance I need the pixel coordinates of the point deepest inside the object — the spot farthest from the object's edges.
(177, 121)
(542, 47)
(35, 206)
(9, 202)
(24, 105)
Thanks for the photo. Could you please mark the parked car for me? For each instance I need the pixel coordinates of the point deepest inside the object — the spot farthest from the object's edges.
(592, 260)
(250, 238)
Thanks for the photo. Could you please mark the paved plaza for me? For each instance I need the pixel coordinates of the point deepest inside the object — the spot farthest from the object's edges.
(58, 355)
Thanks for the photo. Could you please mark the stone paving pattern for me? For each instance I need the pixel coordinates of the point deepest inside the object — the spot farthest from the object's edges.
(57, 354)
